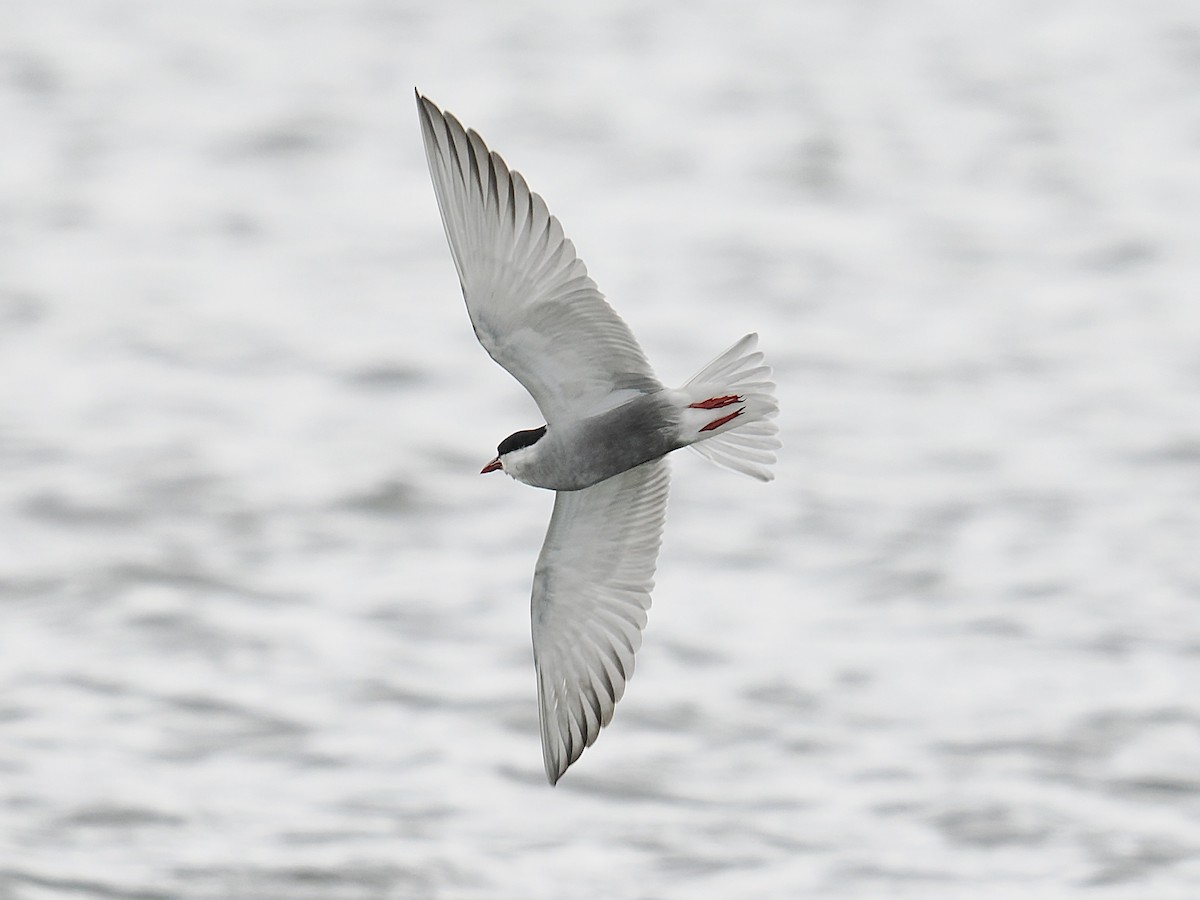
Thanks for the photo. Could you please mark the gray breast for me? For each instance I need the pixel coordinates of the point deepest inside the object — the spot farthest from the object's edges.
(594, 449)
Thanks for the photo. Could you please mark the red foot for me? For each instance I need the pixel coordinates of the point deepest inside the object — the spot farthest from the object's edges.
(716, 402)
(717, 423)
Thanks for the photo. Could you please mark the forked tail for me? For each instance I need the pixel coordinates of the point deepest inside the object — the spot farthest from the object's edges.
(727, 409)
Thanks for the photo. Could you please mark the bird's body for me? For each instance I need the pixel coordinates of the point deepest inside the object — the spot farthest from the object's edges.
(582, 452)
(609, 425)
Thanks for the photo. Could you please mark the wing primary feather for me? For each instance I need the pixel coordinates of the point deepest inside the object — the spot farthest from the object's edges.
(494, 184)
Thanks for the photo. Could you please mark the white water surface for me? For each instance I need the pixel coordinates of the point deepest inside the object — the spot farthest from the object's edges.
(264, 630)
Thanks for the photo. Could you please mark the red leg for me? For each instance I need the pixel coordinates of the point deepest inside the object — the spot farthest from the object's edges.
(717, 423)
(716, 402)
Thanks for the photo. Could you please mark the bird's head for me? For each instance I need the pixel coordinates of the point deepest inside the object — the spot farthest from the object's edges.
(513, 450)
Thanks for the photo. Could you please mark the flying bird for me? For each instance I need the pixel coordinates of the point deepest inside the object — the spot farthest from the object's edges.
(609, 425)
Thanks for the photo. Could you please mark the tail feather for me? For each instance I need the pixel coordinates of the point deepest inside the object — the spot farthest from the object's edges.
(746, 440)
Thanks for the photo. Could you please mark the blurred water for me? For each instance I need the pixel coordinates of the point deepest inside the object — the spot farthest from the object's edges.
(263, 631)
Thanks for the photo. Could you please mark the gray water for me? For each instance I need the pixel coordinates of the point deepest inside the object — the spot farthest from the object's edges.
(264, 630)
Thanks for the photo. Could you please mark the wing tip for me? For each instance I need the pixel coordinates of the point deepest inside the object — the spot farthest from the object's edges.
(423, 102)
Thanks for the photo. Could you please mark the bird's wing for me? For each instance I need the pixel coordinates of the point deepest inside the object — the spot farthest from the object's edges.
(591, 591)
(533, 306)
